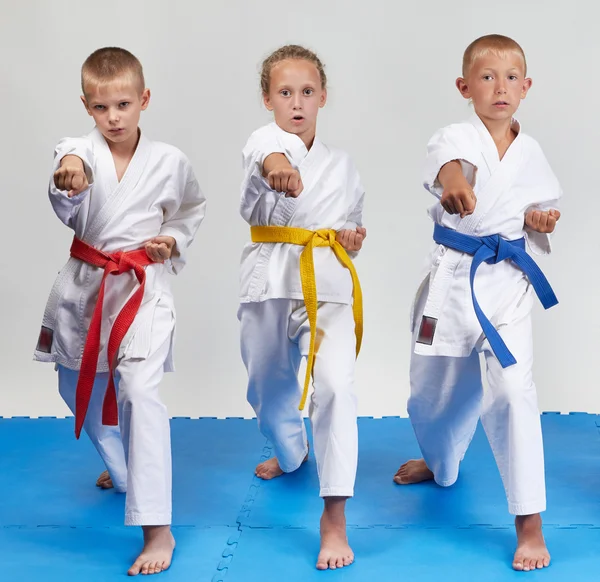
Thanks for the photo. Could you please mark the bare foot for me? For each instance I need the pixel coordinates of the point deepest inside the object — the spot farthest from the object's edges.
(271, 469)
(413, 472)
(335, 551)
(104, 481)
(159, 544)
(531, 548)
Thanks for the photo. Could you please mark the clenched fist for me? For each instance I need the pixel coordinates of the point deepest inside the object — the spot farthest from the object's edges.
(458, 196)
(286, 180)
(541, 221)
(71, 176)
(160, 248)
(352, 240)
(459, 199)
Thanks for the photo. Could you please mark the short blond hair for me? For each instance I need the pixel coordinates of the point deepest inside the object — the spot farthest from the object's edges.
(107, 64)
(495, 44)
(289, 52)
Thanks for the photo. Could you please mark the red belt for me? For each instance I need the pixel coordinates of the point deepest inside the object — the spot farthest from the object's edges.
(113, 264)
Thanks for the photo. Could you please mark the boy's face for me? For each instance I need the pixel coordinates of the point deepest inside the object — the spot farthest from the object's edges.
(295, 96)
(496, 85)
(116, 108)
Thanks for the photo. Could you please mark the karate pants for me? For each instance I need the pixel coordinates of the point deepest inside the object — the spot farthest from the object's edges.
(138, 456)
(275, 335)
(447, 399)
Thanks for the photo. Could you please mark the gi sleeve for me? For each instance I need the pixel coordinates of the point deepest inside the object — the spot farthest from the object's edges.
(448, 144)
(261, 144)
(355, 217)
(182, 221)
(67, 208)
(541, 243)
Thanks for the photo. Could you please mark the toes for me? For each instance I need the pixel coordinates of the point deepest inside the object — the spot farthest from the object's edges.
(332, 562)
(322, 563)
(546, 561)
(339, 562)
(135, 569)
(400, 476)
(518, 564)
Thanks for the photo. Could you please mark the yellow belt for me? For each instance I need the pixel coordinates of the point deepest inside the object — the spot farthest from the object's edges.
(311, 239)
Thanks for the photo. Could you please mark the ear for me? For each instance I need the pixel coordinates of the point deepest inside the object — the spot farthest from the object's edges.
(267, 102)
(526, 86)
(463, 88)
(145, 99)
(323, 98)
(85, 104)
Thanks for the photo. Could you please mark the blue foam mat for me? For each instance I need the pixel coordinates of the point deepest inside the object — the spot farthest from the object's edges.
(48, 477)
(213, 464)
(415, 554)
(572, 448)
(65, 554)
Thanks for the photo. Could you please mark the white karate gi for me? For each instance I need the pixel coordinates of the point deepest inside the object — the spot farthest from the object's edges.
(447, 396)
(274, 326)
(158, 195)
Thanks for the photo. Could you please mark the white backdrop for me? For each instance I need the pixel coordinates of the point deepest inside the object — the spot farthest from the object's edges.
(391, 67)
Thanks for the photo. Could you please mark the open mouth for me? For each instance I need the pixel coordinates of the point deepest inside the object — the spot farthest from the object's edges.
(298, 118)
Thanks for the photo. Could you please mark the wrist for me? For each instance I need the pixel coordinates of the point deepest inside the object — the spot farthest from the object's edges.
(451, 174)
(275, 161)
(72, 160)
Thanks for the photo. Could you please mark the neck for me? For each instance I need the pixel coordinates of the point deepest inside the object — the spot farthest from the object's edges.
(308, 137)
(125, 149)
(500, 129)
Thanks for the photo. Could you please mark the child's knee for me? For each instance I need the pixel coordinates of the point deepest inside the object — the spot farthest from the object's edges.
(514, 393)
(133, 391)
(334, 388)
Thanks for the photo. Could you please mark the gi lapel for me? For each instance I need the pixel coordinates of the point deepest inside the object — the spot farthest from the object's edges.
(117, 191)
(502, 175)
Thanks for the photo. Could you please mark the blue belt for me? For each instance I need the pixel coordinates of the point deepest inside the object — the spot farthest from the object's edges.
(492, 250)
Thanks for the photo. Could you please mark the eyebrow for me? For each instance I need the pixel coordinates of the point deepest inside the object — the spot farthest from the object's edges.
(121, 99)
(508, 70)
(287, 86)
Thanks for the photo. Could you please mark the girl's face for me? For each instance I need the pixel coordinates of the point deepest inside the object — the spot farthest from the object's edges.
(295, 97)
